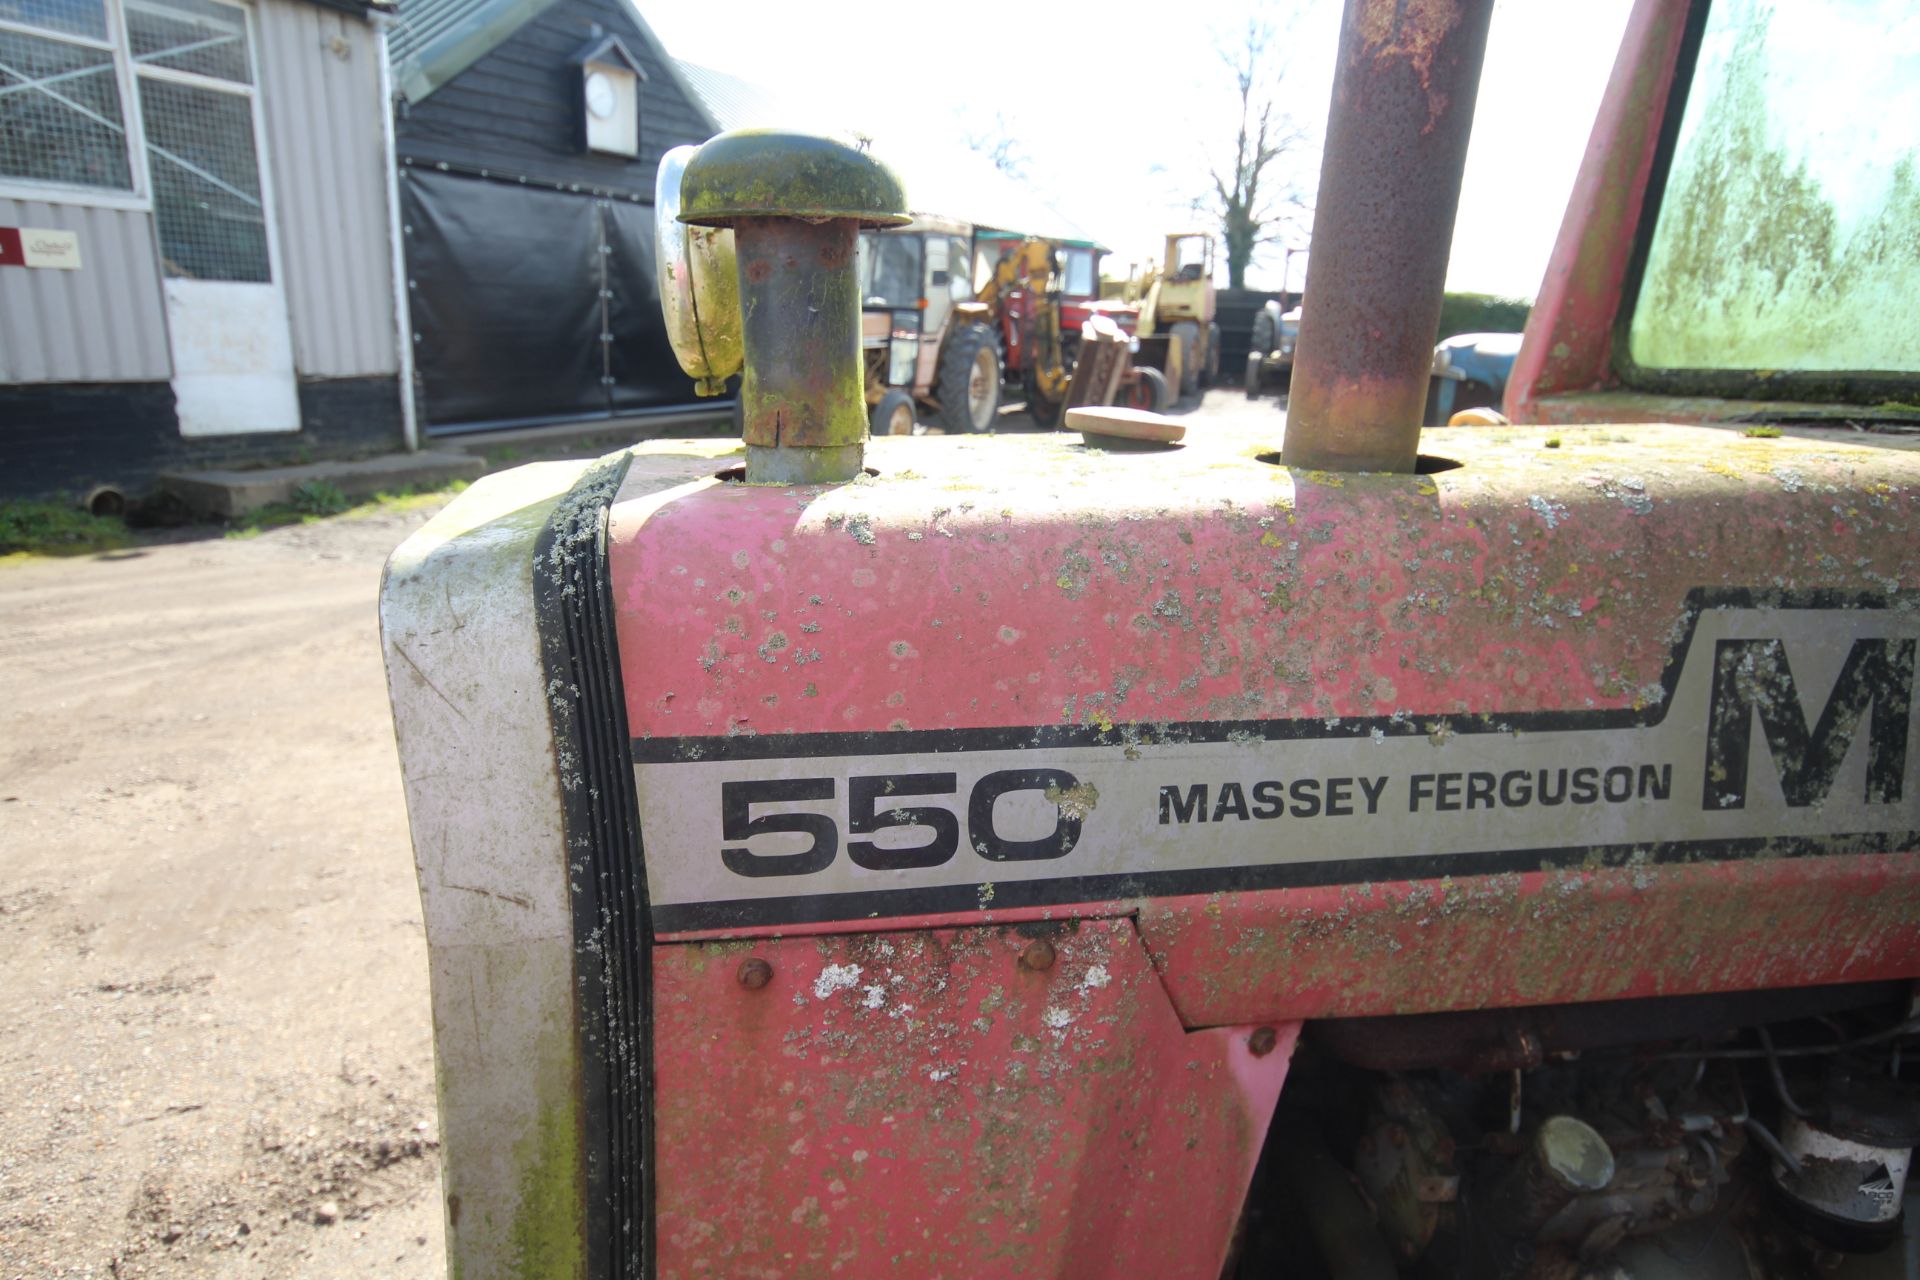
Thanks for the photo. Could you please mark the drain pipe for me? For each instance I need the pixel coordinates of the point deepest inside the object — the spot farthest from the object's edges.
(796, 204)
(396, 243)
(1403, 94)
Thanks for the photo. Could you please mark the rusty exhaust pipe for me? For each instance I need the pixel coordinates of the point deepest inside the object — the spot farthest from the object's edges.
(796, 204)
(1403, 94)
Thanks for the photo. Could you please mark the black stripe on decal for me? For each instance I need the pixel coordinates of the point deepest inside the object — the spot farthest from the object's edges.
(758, 913)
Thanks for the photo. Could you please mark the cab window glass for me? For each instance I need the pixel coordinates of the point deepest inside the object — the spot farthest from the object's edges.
(1076, 273)
(959, 255)
(891, 271)
(1788, 238)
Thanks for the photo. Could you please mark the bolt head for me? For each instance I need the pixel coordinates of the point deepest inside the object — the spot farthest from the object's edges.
(1038, 955)
(755, 973)
(768, 173)
(1262, 1041)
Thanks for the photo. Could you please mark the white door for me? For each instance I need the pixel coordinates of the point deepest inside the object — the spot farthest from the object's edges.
(226, 309)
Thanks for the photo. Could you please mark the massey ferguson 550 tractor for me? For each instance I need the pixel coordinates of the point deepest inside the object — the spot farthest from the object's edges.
(1357, 854)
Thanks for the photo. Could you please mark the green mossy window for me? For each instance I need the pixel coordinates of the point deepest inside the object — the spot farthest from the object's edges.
(1788, 240)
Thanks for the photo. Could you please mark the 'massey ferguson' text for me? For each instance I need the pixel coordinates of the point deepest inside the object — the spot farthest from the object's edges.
(1234, 801)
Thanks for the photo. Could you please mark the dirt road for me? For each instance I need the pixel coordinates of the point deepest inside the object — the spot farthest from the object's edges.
(215, 1050)
(215, 1055)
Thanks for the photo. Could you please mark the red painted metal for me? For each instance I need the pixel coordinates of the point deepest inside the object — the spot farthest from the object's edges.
(1552, 937)
(1017, 583)
(1568, 346)
(929, 1104)
(1472, 942)
(1526, 580)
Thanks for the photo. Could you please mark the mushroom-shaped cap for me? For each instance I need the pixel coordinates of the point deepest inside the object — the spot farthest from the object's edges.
(767, 173)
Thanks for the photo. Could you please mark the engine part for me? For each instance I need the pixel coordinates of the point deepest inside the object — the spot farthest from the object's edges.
(1502, 1039)
(1349, 1243)
(1565, 1158)
(1853, 1150)
(1405, 1163)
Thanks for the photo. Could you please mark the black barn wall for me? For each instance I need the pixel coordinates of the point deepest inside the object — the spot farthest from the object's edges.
(533, 287)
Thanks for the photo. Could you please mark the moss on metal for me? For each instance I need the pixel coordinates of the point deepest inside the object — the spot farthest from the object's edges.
(1754, 263)
(768, 173)
(547, 1233)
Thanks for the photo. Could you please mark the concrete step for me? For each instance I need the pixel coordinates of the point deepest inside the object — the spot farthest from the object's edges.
(235, 493)
(596, 436)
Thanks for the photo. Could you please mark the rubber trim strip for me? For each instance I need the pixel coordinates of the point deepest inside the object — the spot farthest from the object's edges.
(574, 612)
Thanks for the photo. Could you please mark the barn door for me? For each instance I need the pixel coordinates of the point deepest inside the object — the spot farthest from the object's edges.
(226, 308)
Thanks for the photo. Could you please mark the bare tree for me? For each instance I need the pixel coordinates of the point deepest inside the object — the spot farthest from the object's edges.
(1255, 200)
(996, 141)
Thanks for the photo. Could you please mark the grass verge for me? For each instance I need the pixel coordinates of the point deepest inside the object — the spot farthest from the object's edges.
(57, 528)
(322, 501)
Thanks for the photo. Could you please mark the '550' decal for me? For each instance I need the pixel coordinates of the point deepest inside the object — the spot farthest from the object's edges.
(872, 807)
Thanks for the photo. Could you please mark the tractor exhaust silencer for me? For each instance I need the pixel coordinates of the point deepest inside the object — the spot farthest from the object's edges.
(796, 204)
(1403, 94)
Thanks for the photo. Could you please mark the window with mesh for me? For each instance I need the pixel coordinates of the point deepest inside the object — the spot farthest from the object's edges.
(206, 182)
(189, 35)
(80, 17)
(60, 115)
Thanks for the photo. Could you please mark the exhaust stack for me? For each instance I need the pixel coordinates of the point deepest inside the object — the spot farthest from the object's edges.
(1403, 95)
(796, 204)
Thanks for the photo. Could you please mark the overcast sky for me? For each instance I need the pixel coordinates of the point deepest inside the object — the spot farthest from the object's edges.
(1118, 120)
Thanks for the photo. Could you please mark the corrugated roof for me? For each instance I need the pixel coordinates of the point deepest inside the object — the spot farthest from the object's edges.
(432, 41)
(734, 103)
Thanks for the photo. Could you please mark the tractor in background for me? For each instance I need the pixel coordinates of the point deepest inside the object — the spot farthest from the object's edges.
(923, 337)
(954, 316)
(1276, 333)
(1176, 329)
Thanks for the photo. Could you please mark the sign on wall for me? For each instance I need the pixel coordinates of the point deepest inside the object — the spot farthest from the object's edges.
(39, 247)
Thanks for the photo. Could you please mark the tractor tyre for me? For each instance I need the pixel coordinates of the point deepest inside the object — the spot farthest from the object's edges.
(1266, 334)
(969, 381)
(1254, 361)
(1149, 391)
(1187, 334)
(1213, 355)
(1044, 412)
(893, 416)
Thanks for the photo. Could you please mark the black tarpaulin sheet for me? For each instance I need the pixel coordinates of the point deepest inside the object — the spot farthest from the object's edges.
(531, 303)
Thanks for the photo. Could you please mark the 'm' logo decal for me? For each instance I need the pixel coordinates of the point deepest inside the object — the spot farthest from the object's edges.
(1753, 677)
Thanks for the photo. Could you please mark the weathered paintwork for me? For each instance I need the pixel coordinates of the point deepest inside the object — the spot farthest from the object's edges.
(1523, 938)
(1028, 582)
(1025, 583)
(929, 1103)
(1547, 572)
(1542, 937)
(1403, 93)
(483, 778)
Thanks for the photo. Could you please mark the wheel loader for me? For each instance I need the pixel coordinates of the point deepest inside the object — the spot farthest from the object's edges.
(1176, 329)
(1359, 851)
